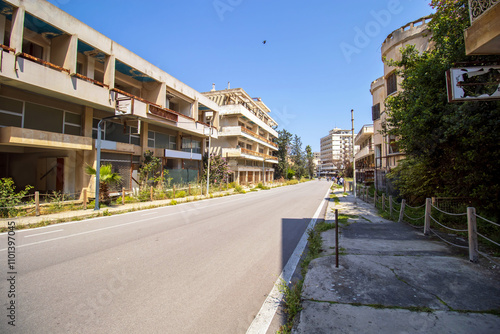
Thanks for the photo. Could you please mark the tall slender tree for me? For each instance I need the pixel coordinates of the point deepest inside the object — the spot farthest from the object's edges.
(284, 142)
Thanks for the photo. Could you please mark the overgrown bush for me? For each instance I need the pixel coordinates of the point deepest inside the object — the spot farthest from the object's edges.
(9, 198)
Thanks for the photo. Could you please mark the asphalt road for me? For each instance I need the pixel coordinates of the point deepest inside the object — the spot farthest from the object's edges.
(199, 267)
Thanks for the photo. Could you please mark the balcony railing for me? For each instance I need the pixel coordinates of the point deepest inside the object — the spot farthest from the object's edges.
(251, 133)
(43, 62)
(257, 154)
(479, 7)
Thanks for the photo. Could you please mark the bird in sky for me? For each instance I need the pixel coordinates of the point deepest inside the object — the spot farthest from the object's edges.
(264, 42)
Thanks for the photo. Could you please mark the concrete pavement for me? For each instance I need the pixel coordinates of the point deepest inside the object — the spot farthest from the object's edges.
(393, 279)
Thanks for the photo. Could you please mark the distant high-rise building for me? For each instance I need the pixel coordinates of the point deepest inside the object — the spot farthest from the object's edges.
(336, 152)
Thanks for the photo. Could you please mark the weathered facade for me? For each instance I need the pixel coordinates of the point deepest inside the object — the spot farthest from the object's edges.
(59, 78)
(387, 153)
(365, 156)
(246, 136)
(483, 36)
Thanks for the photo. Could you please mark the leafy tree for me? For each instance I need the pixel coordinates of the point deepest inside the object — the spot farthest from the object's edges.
(310, 161)
(298, 158)
(284, 142)
(150, 169)
(219, 169)
(106, 177)
(9, 198)
(451, 148)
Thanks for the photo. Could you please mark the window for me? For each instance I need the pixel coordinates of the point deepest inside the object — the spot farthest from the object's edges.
(118, 132)
(11, 112)
(191, 145)
(392, 83)
(43, 118)
(249, 147)
(72, 124)
(376, 112)
(33, 49)
(393, 145)
(378, 156)
(160, 140)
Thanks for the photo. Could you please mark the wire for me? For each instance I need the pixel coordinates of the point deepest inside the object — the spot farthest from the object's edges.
(496, 243)
(449, 228)
(487, 220)
(448, 213)
(448, 242)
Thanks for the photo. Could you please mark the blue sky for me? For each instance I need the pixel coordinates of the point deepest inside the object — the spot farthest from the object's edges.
(317, 64)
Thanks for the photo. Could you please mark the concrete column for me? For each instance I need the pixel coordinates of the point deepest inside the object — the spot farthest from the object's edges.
(2, 29)
(90, 67)
(16, 34)
(427, 223)
(87, 119)
(109, 71)
(64, 52)
(144, 137)
(194, 109)
(162, 95)
(472, 227)
(246, 177)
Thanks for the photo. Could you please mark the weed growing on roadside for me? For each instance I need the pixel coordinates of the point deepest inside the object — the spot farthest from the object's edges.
(291, 298)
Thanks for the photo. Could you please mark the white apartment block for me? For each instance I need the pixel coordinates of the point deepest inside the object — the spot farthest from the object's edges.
(336, 152)
(60, 77)
(246, 136)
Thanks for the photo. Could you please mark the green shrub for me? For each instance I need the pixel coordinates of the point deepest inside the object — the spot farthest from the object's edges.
(239, 189)
(291, 182)
(9, 198)
(180, 194)
(173, 202)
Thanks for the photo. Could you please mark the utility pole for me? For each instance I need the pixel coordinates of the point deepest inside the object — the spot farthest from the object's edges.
(353, 156)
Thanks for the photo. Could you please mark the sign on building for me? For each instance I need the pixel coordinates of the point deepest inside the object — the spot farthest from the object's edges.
(477, 83)
(124, 106)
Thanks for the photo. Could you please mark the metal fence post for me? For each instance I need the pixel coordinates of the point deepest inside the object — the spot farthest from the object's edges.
(375, 198)
(37, 203)
(383, 202)
(336, 238)
(402, 211)
(427, 224)
(472, 225)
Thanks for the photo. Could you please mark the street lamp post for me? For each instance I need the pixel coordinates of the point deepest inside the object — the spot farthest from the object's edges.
(209, 116)
(353, 157)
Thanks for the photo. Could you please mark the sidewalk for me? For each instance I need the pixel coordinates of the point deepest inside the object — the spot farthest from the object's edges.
(393, 279)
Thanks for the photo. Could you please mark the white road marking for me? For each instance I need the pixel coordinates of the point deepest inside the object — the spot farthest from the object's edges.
(35, 235)
(261, 322)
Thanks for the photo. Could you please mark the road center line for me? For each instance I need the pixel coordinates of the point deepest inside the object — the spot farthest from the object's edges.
(262, 321)
(35, 235)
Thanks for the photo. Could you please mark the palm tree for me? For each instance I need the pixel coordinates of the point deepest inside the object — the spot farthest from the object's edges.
(106, 177)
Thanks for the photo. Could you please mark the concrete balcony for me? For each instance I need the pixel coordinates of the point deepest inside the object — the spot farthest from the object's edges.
(154, 113)
(35, 138)
(237, 131)
(238, 109)
(247, 154)
(46, 80)
(364, 152)
(182, 155)
(365, 133)
(483, 36)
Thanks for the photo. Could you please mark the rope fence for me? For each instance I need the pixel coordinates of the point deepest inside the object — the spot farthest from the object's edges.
(422, 213)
